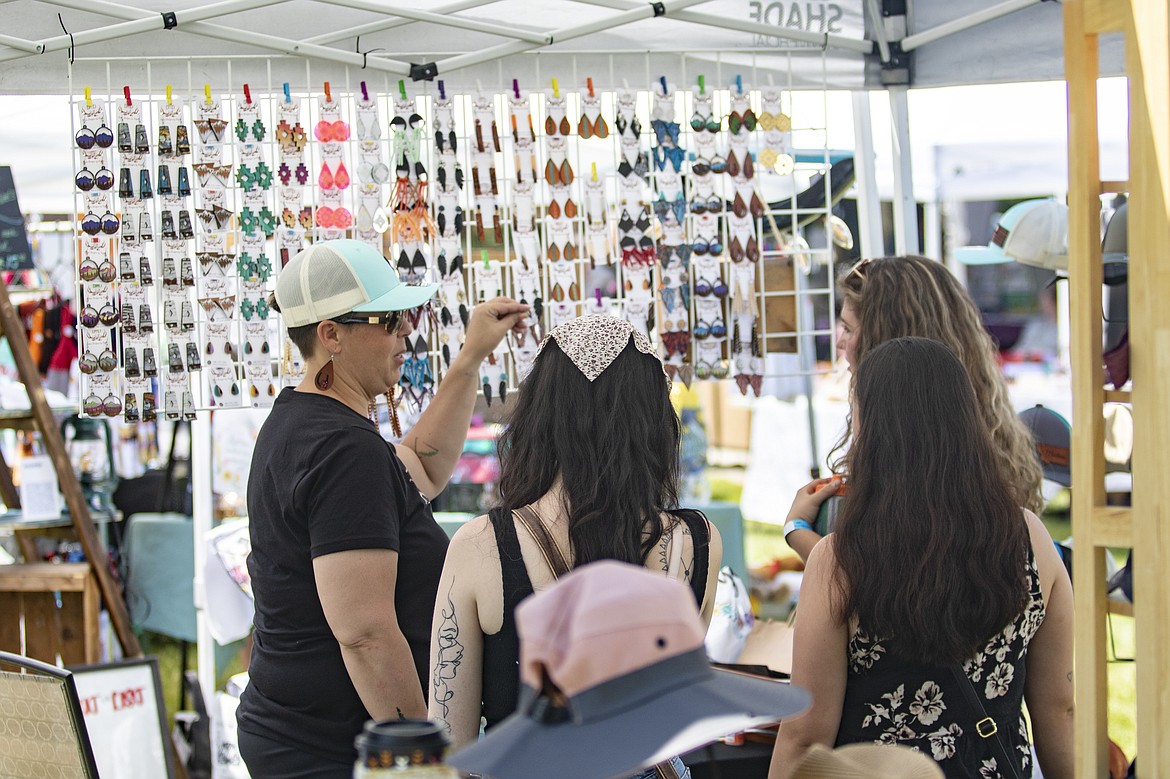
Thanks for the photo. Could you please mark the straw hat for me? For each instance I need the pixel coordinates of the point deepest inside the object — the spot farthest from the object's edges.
(866, 761)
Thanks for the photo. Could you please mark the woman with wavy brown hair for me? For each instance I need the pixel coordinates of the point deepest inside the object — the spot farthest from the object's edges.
(891, 297)
(937, 606)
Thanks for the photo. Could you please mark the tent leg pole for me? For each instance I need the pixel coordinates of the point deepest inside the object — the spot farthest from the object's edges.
(202, 510)
(905, 207)
(869, 212)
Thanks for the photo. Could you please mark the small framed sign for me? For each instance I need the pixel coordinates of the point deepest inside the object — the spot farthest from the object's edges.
(126, 719)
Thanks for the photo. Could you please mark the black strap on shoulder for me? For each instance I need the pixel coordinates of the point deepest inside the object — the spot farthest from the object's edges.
(548, 547)
(515, 579)
(985, 726)
(701, 541)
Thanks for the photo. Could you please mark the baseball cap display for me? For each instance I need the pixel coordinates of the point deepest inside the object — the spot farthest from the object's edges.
(1034, 232)
(331, 278)
(1053, 438)
(614, 677)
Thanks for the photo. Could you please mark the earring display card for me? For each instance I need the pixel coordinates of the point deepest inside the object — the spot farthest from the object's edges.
(642, 203)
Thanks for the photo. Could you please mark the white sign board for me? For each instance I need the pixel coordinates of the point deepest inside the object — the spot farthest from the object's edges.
(123, 709)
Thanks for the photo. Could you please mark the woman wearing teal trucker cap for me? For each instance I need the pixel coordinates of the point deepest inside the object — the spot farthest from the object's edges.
(346, 554)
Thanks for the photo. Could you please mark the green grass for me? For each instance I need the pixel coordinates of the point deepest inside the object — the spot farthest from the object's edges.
(170, 656)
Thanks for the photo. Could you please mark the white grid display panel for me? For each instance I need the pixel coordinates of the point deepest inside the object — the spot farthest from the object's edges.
(584, 286)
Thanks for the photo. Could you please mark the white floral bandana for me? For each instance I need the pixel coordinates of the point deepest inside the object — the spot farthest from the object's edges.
(593, 342)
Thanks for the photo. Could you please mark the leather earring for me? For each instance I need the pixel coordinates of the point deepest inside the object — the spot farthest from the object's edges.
(324, 378)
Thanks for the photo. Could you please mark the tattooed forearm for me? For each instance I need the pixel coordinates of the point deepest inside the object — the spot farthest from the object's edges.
(450, 655)
(428, 451)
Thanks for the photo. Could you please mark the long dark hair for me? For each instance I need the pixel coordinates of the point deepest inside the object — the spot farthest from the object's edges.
(613, 442)
(931, 543)
(899, 296)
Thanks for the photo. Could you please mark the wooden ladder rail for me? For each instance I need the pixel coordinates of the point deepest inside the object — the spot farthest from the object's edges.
(46, 424)
(1146, 526)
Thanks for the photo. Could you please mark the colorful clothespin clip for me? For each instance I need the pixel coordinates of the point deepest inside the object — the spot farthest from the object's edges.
(662, 81)
(207, 93)
(126, 92)
(247, 94)
(597, 295)
(516, 88)
(88, 97)
(556, 88)
(442, 90)
(739, 84)
(287, 93)
(589, 83)
(170, 95)
(702, 85)
(402, 89)
(594, 171)
(366, 94)
(328, 94)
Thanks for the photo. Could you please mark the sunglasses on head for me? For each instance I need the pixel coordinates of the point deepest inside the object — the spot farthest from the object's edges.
(858, 269)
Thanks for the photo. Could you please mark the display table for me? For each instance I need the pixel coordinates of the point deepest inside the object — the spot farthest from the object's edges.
(725, 516)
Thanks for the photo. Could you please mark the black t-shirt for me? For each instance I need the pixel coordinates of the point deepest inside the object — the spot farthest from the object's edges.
(323, 481)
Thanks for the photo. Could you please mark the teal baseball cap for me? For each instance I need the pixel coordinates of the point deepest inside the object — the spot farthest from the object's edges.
(331, 278)
(1034, 232)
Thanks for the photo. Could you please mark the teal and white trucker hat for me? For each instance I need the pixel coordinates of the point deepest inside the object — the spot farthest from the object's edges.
(331, 278)
(1034, 232)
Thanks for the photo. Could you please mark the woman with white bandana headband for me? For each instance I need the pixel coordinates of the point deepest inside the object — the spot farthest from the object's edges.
(589, 471)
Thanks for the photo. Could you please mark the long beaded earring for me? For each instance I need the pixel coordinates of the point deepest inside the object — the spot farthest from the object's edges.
(324, 378)
(372, 413)
(395, 425)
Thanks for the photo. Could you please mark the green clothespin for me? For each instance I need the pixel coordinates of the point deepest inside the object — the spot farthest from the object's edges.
(702, 85)
(402, 89)
(483, 255)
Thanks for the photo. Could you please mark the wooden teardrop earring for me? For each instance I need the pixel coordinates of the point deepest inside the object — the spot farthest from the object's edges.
(324, 378)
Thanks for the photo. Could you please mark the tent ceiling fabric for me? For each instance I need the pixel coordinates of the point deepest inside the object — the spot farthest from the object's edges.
(1024, 46)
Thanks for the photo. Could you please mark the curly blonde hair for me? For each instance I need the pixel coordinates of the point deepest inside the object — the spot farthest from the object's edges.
(893, 297)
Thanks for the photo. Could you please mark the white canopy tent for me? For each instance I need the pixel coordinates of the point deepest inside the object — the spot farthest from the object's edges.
(56, 47)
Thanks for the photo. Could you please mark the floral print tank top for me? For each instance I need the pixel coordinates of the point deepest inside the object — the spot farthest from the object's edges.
(895, 700)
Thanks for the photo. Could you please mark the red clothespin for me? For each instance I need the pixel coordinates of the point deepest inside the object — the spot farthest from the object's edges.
(126, 92)
(365, 93)
(247, 94)
(516, 88)
(589, 83)
(328, 95)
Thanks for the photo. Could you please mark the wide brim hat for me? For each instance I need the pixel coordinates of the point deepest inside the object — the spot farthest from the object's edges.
(331, 278)
(628, 684)
(866, 761)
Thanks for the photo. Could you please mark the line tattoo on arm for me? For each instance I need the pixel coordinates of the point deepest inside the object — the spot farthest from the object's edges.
(429, 451)
(450, 655)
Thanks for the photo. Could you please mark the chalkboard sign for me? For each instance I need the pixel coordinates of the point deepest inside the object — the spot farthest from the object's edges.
(15, 253)
(126, 719)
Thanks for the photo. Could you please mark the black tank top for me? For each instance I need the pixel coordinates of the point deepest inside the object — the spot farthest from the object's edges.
(501, 651)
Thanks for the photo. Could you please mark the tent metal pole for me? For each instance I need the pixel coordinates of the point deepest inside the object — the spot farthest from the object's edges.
(208, 30)
(643, 11)
(905, 207)
(145, 21)
(825, 40)
(911, 42)
(21, 44)
(879, 28)
(202, 522)
(390, 24)
(447, 20)
(869, 211)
